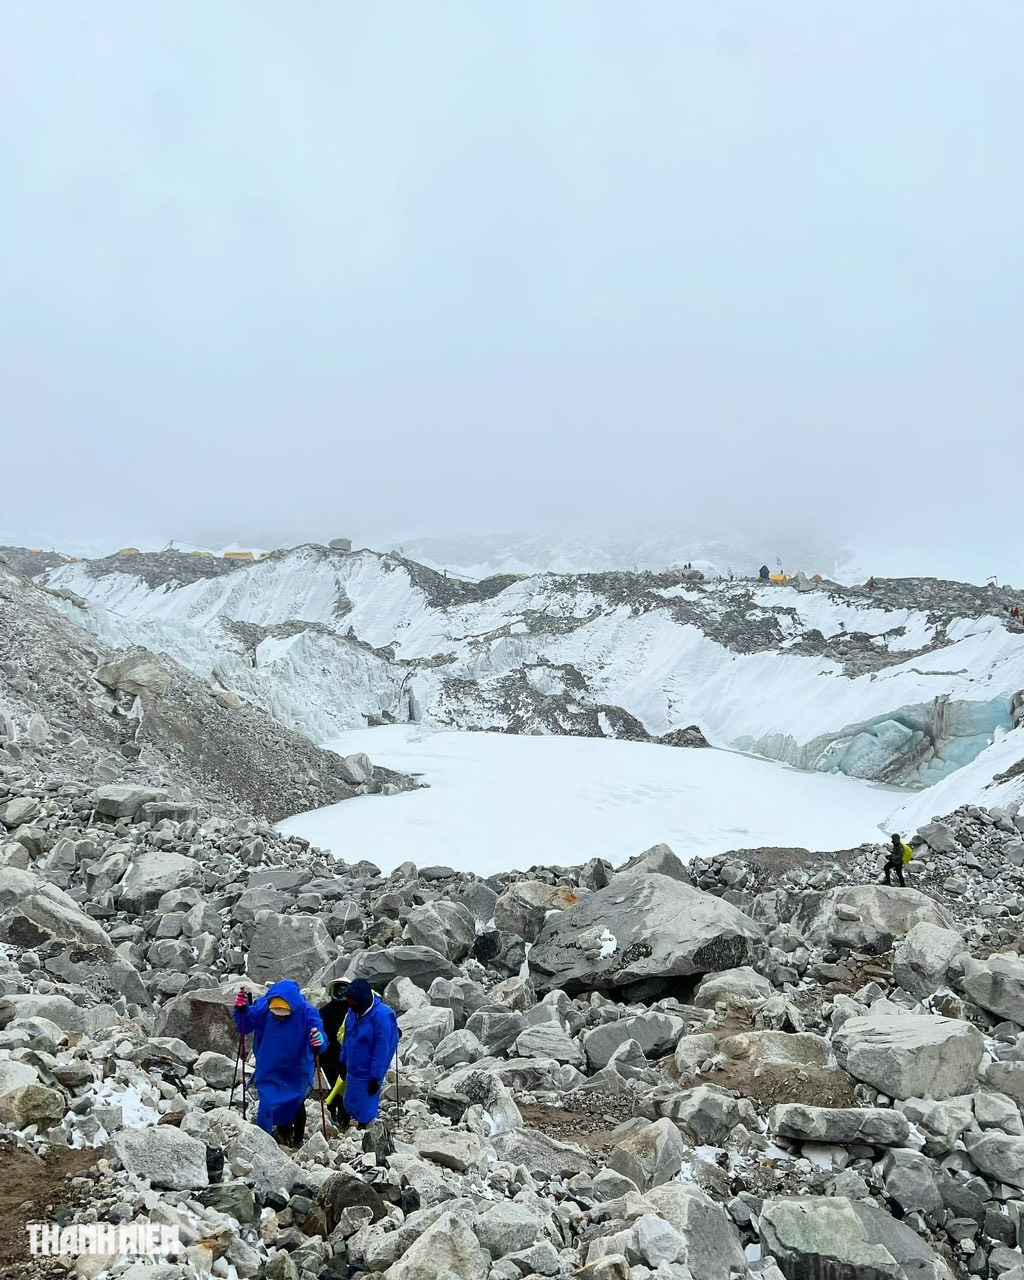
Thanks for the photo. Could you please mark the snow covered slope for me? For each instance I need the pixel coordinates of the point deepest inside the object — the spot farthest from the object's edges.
(497, 801)
(904, 685)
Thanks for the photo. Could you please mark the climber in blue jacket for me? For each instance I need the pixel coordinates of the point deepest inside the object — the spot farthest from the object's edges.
(286, 1034)
(369, 1040)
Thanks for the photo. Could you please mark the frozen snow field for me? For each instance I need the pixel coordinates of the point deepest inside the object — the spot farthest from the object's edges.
(498, 802)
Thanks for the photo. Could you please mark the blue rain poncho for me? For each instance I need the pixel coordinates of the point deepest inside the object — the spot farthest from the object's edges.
(367, 1048)
(284, 1057)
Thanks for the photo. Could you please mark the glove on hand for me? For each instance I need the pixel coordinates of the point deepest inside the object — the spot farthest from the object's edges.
(316, 1039)
(372, 1087)
(243, 999)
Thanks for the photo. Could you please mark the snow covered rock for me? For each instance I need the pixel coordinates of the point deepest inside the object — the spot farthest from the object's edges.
(912, 1055)
(817, 1237)
(640, 927)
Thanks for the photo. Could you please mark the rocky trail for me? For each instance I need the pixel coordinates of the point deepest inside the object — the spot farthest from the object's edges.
(758, 1064)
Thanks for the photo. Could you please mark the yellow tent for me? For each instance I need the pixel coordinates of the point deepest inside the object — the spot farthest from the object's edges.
(239, 555)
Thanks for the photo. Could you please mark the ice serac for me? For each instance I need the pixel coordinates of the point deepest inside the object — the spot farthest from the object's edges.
(905, 687)
(661, 928)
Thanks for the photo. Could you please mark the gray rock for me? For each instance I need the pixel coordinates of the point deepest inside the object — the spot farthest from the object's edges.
(852, 916)
(1000, 1155)
(202, 1018)
(939, 837)
(496, 1029)
(522, 907)
(272, 1171)
(119, 801)
(217, 1069)
(288, 946)
(448, 1246)
(138, 673)
(356, 769)
(642, 926)
(32, 912)
(997, 984)
(743, 986)
(712, 1247)
(450, 1148)
(543, 1156)
(658, 860)
(818, 1238)
(447, 927)
(508, 1228)
(656, 1033)
(423, 1030)
(922, 961)
(170, 1159)
(458, 1048)
(57, 1009)
(152, 874)
(876, 1126)
(651, 1155)
(709, 1114)
(379, 966)
(912, 1055)
(22, 809)
(548, 1041)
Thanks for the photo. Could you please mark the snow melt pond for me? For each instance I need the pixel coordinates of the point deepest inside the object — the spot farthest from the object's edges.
(497, 802)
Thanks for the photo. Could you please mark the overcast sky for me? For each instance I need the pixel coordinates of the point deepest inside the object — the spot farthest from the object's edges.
(277, 271)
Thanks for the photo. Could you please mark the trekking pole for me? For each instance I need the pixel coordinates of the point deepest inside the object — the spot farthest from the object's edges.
(243, 1053)
(234, 1076)
(320, 1091)
(398, 1096)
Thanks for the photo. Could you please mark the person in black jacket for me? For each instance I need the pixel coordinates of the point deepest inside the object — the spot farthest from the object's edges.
(894, 862)
(333, 1015)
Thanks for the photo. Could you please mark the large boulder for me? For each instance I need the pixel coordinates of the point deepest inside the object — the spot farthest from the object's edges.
(202, 1018)
(924, 957)
(997, 984)
(642, 926)
(272, 1170)
(118, 800)
(522, 907)
(912, 1055)
(170, 1159)
(381, 965)
(651, 1155)
(656, 1033)
(832, 1238)
(542, 1156)
(24, 1101)
(34, 912)
(864, 917)
(743, 986)
(448, 927)
(152, 874)
(138, 673)
(876, 1126)
(288, 946)
(1000, 1155)
(447, 1248)
(713, 1249)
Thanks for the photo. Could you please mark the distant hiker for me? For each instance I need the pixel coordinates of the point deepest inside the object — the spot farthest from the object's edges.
(762, 573)
(333, 1014)
(898, 856)
(286, 1032)
(1015, 612)
(871, 583)
(370, 1038)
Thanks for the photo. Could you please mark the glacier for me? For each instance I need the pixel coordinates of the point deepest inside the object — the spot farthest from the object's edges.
(906, 689)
